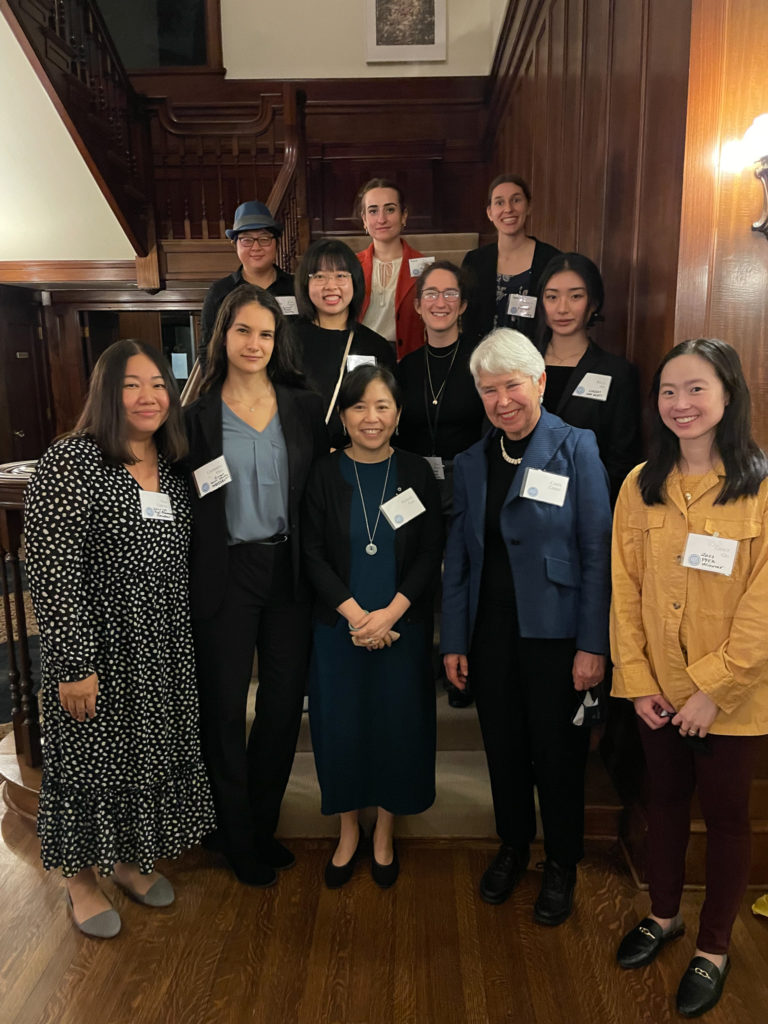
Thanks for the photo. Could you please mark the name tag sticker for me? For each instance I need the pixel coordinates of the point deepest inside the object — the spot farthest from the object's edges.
(354, 361)
(436, 465)
(155, 505)
(402, 508)
(521, 305)
(712, 554)
(593, 385)
(288, 305)
(538, 485)
(211, 476)
(418, 265)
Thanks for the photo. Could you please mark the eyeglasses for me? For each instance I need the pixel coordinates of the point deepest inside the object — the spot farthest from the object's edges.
(263, 241)
(338, 277)
(449, 294)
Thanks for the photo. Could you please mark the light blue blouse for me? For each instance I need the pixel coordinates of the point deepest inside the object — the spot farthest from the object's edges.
(256, 500)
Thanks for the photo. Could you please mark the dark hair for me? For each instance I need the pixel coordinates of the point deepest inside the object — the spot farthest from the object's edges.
(593, 282)
(283, 367)
(329, 254)
(377, 183)
(458, 273)
(509, 179)
(354, 384)
(746, 465)
(103, 415)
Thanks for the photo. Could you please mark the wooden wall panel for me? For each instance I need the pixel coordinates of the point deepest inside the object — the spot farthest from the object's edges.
(723, 270)
(595, 117)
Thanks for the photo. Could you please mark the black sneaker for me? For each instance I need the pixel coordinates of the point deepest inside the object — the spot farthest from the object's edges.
(503, 873)
(555, 900)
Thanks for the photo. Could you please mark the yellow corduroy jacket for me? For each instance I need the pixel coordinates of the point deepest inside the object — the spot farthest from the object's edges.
(659, 605)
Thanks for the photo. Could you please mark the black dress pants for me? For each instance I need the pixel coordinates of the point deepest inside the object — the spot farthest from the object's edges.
(258, 614)
(525, 702)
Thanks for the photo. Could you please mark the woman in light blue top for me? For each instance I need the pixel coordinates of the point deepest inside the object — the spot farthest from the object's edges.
(253, 435)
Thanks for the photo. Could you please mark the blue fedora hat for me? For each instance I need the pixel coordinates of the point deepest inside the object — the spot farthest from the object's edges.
(253, 216)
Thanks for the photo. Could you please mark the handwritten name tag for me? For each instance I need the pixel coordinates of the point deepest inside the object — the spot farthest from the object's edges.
(712, 554)
(593, 385)
(521, 305)
(288, 305)
(211, 476)
(538, 485)
(156, 506)
(402, 508)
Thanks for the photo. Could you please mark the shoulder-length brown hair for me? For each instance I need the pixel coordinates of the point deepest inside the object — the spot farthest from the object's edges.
(103, 415)
(283, 366)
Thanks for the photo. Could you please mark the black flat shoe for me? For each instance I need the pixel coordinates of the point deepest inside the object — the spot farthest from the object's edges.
(275, 854)
(641, 946)
(337, 875)
(503, 873)
(701, 986)
(458, 698)
(555, 900)
(254, 873)
(385, 875)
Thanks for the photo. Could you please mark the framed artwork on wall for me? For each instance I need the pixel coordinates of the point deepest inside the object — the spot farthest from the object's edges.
(405, 30)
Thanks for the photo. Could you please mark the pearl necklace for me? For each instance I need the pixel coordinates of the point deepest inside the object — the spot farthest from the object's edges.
(508, 458)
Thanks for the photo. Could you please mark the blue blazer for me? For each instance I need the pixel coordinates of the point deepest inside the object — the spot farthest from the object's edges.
(560, 556)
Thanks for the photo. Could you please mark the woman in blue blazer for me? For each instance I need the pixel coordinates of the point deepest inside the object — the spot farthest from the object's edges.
(525, 611)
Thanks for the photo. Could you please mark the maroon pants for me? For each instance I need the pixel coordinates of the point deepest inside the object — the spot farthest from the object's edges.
(722, 780)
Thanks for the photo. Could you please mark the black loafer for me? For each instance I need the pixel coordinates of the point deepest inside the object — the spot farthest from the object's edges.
(337, 875)
(458, 698)
(275, 854)
(701, 986)
(254, 873)
(385, 875)
(503, 873)
(555, 900)
(640, 946)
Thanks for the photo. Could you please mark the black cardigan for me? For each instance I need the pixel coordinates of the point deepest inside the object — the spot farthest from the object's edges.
(325, 537)
(616, 421)
(480, 266)
(303, 426)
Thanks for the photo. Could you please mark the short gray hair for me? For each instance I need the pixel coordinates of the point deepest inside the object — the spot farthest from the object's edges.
(506, 351)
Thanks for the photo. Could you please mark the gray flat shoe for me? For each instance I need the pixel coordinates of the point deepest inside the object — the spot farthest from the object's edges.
(160, 894)
(105, 925)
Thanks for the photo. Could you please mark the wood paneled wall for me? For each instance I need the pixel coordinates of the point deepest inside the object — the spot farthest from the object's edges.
(723, 271)
(589, 105)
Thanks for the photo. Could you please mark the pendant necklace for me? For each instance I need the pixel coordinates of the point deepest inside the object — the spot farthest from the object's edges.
(436, 397)
(508, 458)
(370, 547)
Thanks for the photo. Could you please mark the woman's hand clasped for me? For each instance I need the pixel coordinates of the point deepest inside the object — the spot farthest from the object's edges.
(696, 715)
(655, 710)
(79, 698)
(374, 630)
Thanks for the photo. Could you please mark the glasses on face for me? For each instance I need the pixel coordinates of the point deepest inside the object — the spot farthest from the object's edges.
(263, 241)
(449, 294)
(328, 277)
(389, 210)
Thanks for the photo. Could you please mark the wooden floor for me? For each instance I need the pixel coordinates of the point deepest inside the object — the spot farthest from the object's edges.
(428, 951)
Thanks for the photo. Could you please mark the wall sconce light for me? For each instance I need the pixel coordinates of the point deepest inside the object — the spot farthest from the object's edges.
(755, 143)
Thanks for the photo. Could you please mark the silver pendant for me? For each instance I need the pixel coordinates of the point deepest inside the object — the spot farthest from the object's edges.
(434, 401)
(371, 549)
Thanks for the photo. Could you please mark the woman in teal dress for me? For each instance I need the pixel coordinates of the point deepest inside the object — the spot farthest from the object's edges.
(374, 565)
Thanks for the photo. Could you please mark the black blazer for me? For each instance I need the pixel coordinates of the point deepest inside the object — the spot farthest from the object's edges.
(480, 266)
(616, 421)
(325, 537)
(303, 426)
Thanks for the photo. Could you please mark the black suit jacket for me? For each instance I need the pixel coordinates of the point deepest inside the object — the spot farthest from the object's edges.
(480, 266)
(325, 537)
(306, 438)
(616, 421)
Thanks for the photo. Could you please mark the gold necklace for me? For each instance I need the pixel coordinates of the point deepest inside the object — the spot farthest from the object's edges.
(508, 458)
(436, 397)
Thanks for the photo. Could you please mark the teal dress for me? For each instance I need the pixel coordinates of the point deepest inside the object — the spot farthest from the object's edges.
(372, 713)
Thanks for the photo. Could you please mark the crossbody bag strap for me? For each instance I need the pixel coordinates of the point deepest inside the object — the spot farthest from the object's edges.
(341, 375)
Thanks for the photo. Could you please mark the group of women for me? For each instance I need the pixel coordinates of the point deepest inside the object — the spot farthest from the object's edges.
(281, 517)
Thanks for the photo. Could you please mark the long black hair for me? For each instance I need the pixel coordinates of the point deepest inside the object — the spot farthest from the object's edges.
(282, 368)
(103, 415)
(746, 464)
(593, 283)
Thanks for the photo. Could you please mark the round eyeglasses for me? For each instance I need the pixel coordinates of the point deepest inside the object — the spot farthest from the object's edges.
(326, 277)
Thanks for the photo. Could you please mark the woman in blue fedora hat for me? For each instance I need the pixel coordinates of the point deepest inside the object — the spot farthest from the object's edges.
(254, 234)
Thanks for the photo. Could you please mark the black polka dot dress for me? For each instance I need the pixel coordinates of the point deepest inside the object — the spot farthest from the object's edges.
(110, 592)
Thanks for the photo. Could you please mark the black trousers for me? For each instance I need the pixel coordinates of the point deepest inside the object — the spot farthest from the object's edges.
(525, 702)
(258, 614)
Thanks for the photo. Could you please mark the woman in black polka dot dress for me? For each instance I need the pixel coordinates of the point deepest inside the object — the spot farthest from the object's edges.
(107, 532)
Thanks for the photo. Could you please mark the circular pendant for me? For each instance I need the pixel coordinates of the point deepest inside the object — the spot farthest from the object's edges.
(434, 401)
(371, 549)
